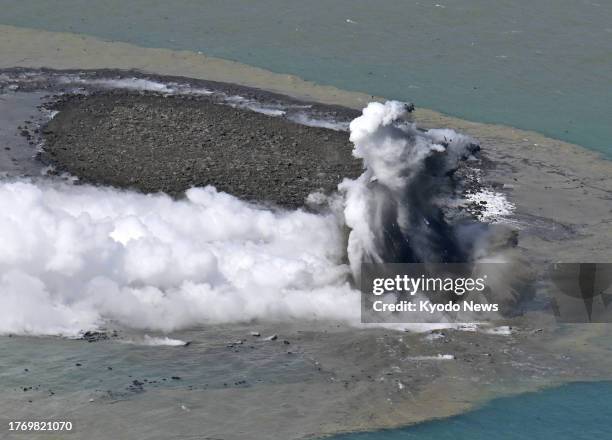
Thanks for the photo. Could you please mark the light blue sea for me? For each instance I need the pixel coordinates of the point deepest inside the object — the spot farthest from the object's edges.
(544, 65)
(578, 411)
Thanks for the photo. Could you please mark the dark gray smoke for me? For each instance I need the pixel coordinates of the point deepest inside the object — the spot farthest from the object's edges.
(394, 209)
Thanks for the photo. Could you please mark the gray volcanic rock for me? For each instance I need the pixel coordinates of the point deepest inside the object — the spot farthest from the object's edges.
(153, 142)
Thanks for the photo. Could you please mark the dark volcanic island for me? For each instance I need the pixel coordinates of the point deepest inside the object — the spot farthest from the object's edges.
(170, 143)
(277, 380)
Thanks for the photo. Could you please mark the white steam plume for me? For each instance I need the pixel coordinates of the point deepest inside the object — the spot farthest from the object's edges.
(73, 257)
(76, 257)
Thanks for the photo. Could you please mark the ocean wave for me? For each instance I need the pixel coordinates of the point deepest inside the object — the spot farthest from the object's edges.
(83, 82)
(174, 88)
(322, 122)
(157, 341)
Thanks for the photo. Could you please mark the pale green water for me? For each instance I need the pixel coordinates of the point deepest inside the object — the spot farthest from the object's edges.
(66, 366)
(544, 65)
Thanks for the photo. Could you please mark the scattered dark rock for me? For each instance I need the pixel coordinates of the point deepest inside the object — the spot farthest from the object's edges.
(234, 344)
(94, 336)
(158, 143)
(136, 386)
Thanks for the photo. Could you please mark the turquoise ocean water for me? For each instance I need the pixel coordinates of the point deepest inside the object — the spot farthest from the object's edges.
(579, 411)
(544, 65)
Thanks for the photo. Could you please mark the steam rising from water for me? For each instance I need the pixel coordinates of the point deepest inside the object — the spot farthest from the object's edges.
(77, 257)
(74, 256)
